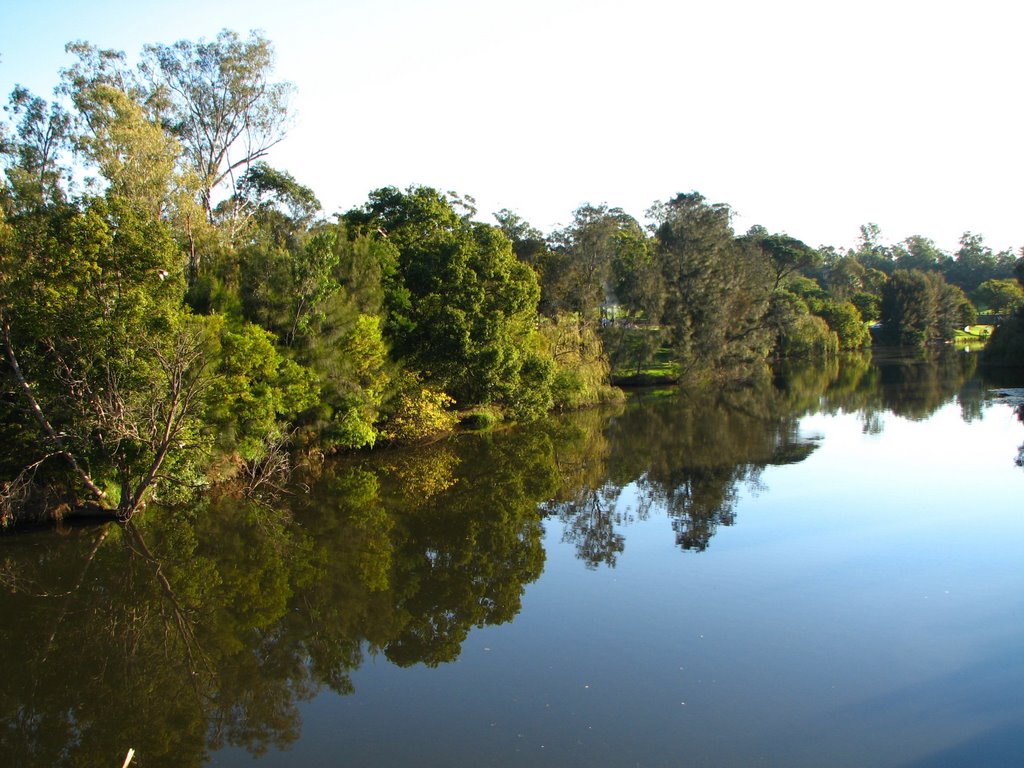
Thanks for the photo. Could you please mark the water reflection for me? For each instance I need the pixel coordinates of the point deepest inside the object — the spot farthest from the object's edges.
(149, 638)
(195, 629)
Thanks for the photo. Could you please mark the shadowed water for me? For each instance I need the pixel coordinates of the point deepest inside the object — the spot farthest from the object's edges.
(823, 569)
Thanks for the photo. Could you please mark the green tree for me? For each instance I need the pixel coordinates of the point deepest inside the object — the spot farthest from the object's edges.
(953, 311)
(217, 99)
(844, 318)
(104, 360)
(1006, 346)
(786, 255)
(846, 276)
(921, 253)
(908, 308)
(871, 253)
(868, 304)
(716, 292)
(461, 308)
(528, 242)
(110, 374)
(581, 369)
(975, 263)
(580, 277)
(919, 308)
(1004, 296)
(36, 153)
(264, 188)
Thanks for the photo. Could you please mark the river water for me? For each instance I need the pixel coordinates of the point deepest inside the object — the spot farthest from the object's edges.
(825, 569)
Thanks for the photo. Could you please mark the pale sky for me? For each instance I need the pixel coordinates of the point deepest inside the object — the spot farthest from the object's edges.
(806, 116)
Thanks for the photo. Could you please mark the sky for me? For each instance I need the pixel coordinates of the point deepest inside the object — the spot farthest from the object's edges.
(808, 117)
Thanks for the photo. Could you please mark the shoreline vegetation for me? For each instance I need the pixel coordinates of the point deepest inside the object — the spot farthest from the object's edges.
(177, 314)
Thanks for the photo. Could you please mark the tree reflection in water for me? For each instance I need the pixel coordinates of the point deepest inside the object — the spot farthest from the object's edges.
(193, 629)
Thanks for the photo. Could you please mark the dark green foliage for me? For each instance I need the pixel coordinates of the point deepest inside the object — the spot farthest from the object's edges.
(1006, 346)
(716, 292)
(868, 304)
(975, 263)
(528, 243)
(1002, 296)
(921, 253)
(460, 306)
(786, 255)
(908, 308)
(920, 308)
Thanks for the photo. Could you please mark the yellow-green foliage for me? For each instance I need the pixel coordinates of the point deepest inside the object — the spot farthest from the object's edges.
(359, 387)
(255, 390)
(844, 318)
(423, 474)
(809, 336)
(419, 413)
(581, 366)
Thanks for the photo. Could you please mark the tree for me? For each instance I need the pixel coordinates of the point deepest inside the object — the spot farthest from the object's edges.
(637, 281)
(41, 137)
(110, 370)
(461, 308)
(320, 292)
(354, 382)
(953, 309)
(921, 253)
(581, 368)
(265, 189)
(580, 278)
(217, 99)
(1003, 296)
(787, 255)
(131, 152)
(845, 319)
(919, 308)
(528, 242)
(716, 293)
(975, 263)
(908, 308)
(110, 378)
(870, 251)
(845, 276)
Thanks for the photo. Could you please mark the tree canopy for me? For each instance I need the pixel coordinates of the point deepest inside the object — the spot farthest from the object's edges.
(176, 311)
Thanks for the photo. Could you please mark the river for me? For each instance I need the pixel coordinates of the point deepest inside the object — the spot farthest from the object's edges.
(822, 569)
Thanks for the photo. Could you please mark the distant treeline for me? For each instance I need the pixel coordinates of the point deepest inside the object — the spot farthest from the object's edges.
(176, 312)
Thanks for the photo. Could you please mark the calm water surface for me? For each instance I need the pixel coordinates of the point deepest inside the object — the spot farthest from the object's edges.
(823, 571)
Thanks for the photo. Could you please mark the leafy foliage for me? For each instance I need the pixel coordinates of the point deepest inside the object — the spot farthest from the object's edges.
(919, 308)
(419, 413)
(717, 293)
(461, 306)
(183, 312)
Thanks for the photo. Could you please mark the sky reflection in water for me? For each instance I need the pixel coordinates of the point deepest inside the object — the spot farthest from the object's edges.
(867, 608)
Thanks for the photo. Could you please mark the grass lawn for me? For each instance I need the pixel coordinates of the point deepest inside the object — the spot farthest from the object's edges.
(975, 334)
(662, 369)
